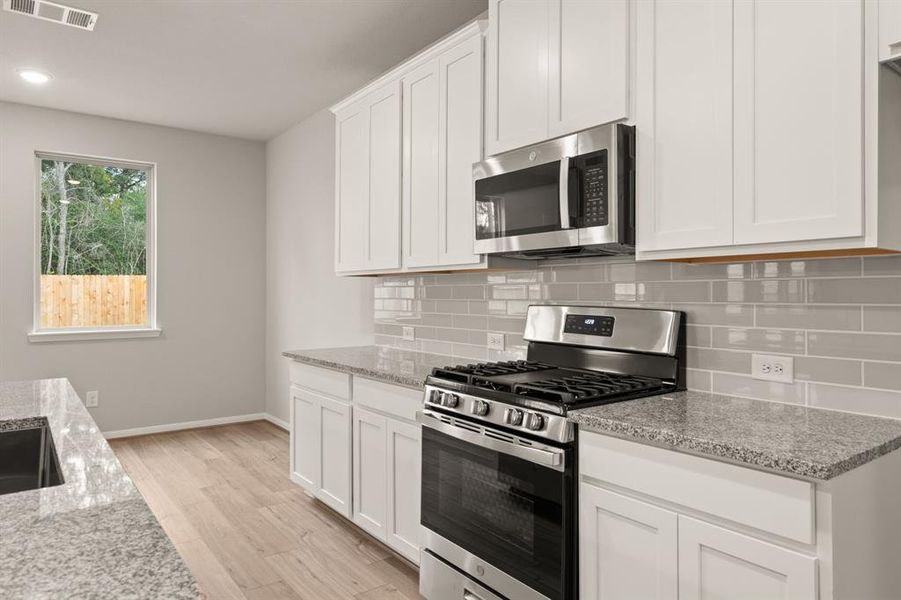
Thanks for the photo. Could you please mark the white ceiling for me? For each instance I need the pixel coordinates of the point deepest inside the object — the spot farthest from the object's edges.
(243, 68)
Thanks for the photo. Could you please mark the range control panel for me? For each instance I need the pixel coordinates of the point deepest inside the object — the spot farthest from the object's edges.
(589, 325)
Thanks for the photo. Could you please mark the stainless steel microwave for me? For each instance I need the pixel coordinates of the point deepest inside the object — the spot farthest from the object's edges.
(573, 196)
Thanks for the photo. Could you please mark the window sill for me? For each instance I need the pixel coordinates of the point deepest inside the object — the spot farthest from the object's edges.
(81, 335)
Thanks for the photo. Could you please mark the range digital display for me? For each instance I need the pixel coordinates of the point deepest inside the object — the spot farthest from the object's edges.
(588, 325)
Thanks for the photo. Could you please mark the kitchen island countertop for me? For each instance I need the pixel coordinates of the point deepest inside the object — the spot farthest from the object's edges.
(93, 536)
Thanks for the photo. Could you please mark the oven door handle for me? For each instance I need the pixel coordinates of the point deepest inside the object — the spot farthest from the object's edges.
(547, 456)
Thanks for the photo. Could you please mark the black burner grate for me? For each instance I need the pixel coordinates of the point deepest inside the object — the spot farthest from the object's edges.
(475, 373)
(583, 387)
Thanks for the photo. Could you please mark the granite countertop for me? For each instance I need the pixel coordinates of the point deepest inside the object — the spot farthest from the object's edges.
(391, 365)
(809, 443)
(93, 536)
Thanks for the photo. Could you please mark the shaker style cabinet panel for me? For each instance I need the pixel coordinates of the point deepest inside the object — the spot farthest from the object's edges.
(718, 563)
(460, 75)
(403, 480)
(369, 459)
(588, 65)
(367, 182)
(421, 165)
(627, 548)
(684, 111)
(554, 67)
(889, 29)
(517, 79)
(798, 120)
(321, 447)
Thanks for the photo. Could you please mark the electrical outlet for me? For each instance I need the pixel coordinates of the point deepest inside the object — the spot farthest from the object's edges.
(409, 333)
(495, 341)
(92, 399)
(773, 368)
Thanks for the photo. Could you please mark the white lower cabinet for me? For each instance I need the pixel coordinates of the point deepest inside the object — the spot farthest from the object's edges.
(404, 444)
(355, 446)
(627, 548)
(716, 563)
(320, 447)
(370, 471)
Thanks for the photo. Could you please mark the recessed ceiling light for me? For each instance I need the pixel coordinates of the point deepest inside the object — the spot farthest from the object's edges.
(35, 77)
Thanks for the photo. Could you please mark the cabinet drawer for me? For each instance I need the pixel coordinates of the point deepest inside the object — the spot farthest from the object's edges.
(394, 400)
(768, 502)
(318, 379)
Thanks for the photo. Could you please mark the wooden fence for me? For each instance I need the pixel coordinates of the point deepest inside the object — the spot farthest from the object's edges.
(93, 300)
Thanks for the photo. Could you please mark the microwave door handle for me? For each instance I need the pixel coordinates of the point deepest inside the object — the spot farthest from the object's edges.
(552, 458)
(565, 222)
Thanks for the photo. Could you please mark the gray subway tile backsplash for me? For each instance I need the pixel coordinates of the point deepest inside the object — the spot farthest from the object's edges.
(839, 318)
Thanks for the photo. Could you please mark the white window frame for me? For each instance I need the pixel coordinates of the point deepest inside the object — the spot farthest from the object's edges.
(58, 334)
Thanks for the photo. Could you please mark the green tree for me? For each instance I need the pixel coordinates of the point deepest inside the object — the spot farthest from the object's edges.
(93, 219)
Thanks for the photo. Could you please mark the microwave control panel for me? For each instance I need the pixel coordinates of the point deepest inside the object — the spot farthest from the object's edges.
(594, 190)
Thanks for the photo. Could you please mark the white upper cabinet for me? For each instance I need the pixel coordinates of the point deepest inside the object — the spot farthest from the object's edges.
(684, 111)
(588, 65)
(442, 139)
(421, 123)
(518, 52)
(554, 67)
(460, 74)
(889, 29)
(798, 120)
(406, 144)
(761, 127)
(367, 182)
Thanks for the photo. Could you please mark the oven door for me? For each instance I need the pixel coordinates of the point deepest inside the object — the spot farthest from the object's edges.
(498, 510)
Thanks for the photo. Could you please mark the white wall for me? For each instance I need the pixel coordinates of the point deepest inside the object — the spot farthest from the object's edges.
(211, 225)
(307, 305)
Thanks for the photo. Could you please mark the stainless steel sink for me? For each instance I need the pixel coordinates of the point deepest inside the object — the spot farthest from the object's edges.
(28, 460)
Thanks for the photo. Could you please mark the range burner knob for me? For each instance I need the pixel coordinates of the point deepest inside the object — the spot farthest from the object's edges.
(450, 400)
(512, 416)
(479, 407)
(534, 421)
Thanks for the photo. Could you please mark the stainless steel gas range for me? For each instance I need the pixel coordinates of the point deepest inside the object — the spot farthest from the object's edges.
(499, 465)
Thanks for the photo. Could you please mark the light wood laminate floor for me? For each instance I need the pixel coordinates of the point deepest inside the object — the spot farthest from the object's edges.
(245, 530)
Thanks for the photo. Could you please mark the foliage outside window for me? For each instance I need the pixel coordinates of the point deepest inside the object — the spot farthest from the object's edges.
(94, 252)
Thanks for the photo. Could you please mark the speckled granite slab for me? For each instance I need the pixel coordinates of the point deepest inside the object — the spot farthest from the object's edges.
(809, 443)
(391, 365)
(91, 537)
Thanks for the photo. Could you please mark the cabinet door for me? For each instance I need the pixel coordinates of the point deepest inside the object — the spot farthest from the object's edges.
(421, 160)
(627, 548)
(335, 454)
(588, 66)
(716, 563)
(384, 159)
(404, 459)
(460, 145)
(517, 74)
(798, 120)
(305, 442)
(684, 111)
(351, 188)
(369, 465)
(889, 29)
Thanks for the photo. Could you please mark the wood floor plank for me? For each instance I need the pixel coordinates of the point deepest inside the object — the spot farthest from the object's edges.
(246, 532)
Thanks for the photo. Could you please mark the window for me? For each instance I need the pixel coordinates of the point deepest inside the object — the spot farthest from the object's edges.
(95, 248)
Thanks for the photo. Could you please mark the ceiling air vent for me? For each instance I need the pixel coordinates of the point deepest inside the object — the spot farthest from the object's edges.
(51, 11)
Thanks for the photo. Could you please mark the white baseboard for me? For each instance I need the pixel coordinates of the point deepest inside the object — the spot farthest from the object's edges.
(121, 433)
(277, 422)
